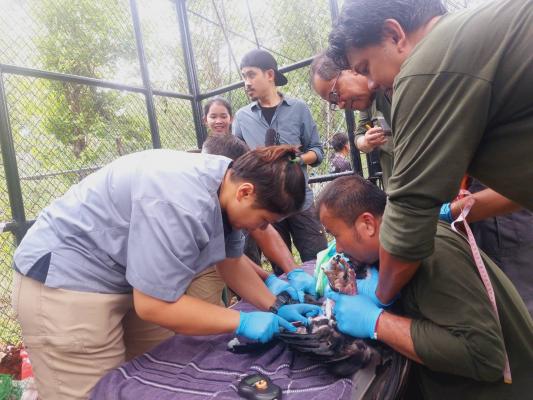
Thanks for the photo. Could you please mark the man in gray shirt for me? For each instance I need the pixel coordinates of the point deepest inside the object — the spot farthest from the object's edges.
(271, 119)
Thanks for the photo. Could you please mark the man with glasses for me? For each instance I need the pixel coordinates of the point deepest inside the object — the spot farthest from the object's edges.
(273, 118)
(348, 90)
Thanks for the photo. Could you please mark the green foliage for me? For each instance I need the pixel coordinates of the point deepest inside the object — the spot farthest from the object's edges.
(80, 39)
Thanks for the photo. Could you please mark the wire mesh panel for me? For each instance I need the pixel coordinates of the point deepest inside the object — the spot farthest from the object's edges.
(176, 125)
(63, 132)
(87, 38)
(223, 31)
(5, 209)
(162, 43)
(10, 330)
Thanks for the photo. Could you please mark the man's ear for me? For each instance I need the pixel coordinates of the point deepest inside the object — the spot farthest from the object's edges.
(367, 224)
(270, 74)
(393, 31)
(245, 191)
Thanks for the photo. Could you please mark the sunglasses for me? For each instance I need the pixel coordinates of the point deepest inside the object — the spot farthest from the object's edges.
(271, 137)
(333, 96)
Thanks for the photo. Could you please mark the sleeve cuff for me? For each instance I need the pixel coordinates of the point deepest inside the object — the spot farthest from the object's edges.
(319, 157)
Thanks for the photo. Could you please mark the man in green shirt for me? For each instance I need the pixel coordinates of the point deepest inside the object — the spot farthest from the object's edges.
(348, 90)
(462, 104)
(449, 329)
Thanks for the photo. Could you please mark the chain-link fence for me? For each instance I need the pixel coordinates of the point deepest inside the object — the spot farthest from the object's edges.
(83, 82)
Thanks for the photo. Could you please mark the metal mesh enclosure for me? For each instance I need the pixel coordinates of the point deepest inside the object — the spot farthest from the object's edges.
(55, 146)
(176, 125)
(92, 39)
(84, 82)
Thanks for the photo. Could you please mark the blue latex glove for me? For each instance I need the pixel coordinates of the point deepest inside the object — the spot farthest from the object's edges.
(356, 315)
(277, 285)
(261, 326)
(445, 213)
(299, 312)
(302, 282)
(369, 285)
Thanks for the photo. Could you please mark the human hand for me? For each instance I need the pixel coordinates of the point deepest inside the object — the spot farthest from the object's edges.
(445, 213)
(302, 282)
(356, 315)
(299, 312)
(374, 137)
(277, 285)
(369, 285)
(261, 326)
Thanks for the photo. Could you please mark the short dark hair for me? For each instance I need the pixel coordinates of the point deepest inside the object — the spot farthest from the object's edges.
(360, 22)
(279, 181)
(348, 197)
(217, 100)
(338, 141)
(225, 145)
(324, 67)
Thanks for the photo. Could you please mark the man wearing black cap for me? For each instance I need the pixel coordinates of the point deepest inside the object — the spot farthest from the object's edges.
(273, 118)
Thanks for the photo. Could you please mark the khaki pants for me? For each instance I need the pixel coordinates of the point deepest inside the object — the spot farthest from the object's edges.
(207, 286)
(74, 338)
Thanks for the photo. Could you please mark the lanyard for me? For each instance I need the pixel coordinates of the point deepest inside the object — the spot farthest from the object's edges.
(469, 202)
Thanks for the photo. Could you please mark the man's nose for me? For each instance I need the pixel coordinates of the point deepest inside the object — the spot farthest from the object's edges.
(372, 86)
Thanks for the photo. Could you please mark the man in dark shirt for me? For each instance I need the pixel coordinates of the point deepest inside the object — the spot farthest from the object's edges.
(273, 118)
(348, 90)
(450, 328)
(462, 104)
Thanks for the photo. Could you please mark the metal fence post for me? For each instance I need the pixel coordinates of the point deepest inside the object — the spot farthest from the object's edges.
(192, 74)
(355, 155)
(334, 10)
(149, 96)
(348, 114)
(14, 190)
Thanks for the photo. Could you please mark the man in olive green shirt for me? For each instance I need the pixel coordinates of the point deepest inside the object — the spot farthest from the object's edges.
(348, 90)
(462, 104)
(366, 123)
(450, 329)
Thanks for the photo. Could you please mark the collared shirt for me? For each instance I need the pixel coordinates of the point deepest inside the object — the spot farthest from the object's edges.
(294, 123)
(462, 103)
(455, 331)
(380, 105)
(149, 220)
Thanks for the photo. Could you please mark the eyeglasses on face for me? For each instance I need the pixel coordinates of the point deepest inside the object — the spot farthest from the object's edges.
(333, 96)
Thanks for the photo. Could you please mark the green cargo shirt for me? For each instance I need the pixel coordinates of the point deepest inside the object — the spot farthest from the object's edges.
(381, 104)
(455, 331)
(462, 103)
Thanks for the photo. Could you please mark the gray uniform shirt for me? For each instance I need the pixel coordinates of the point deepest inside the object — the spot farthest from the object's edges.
(149, 220)
(294, 123)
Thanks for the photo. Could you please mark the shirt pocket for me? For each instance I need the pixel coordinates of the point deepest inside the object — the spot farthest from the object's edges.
(515, 229)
